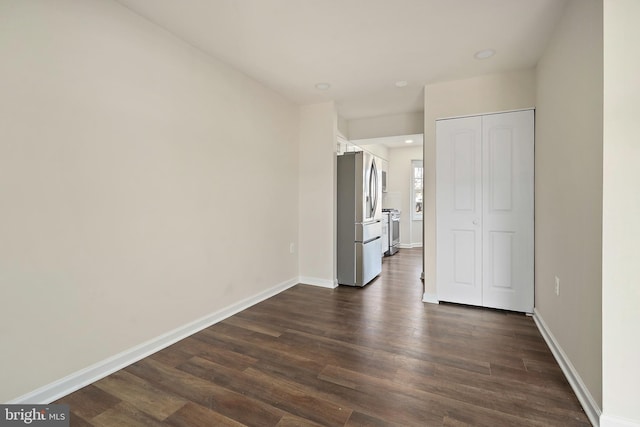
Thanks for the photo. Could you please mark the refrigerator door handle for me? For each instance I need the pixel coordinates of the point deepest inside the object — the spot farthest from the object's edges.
(373, 188)
(371, 240)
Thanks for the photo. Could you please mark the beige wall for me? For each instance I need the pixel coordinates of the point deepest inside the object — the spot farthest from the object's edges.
(144, 185)
(490, 93)
(343, 127)
(378, 150)
(391, 125)
(621, 210)
(569, 188)
(398, 194)
(317, 196)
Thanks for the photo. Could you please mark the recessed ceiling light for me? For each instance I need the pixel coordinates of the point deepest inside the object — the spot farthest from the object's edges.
(484, 54)
(408, 141)
(322, 86)
(401, 83)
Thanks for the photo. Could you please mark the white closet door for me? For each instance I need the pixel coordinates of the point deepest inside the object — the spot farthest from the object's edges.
(484, 210)
(459, 210)
(507, 213)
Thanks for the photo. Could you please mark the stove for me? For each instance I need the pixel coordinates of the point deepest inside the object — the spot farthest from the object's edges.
(394, 230)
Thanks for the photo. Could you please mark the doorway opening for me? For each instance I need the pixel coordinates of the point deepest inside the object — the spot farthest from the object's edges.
(401, 159)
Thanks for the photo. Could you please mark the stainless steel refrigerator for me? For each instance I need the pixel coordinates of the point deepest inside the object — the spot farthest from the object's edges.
(359, 219)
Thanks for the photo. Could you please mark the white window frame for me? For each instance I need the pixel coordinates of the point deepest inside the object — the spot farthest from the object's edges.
(415, 215)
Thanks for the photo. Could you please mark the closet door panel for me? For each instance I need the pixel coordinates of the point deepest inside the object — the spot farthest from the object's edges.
(458, 210)
(507, 217)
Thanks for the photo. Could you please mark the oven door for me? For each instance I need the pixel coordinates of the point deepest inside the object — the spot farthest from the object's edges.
(395, 230)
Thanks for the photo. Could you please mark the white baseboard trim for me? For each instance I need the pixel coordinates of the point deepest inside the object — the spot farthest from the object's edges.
(409, 245)
(315, 281)
(430, 298)
(607, 420)
(589, 405)
(97, 371)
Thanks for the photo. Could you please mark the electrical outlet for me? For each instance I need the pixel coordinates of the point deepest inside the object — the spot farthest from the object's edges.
(557, 285)
(292, 248)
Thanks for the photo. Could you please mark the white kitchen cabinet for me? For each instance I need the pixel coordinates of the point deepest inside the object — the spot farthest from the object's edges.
(484, 210)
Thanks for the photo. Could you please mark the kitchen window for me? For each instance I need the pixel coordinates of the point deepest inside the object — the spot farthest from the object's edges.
(417, 185)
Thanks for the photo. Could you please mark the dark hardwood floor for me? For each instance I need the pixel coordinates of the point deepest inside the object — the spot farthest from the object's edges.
(372, 356)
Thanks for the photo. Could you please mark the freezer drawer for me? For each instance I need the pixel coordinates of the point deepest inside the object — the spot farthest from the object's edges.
(368, 261)
(368, 231)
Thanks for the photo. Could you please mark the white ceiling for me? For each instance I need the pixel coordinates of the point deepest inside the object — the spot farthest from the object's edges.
(360, 47)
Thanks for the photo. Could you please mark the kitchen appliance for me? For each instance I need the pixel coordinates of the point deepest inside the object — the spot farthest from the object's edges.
(384, 181)
(384, 247)
(394, 231)
(359, 219)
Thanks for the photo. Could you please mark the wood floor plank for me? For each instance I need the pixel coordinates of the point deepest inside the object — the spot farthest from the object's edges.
(224, 401)
(543, 379)
(254, 326)
(411, 405)
(141, 395)
(223, 356)
(172, 356)
(76, 421)
(282, 394)
(517, 403)
(350, 356)
(124, 414)
(90, 401)
(359, 419)
(374, 402)
(293, 421)
(192, 414)
(562, 395)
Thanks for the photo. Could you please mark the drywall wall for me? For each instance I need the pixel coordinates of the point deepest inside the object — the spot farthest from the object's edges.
(568, 188)
(398, 196)
(621, 210)
(489, 93)
(391, 125)
(144, 185)
(343, 127)
(317, 184)
(378, 150)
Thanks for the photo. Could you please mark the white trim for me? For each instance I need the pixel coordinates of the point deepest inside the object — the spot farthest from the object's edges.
(610, 421)
(486, 114)
(409, 245)
(430, 298)
(315, 281)
(72, 382)
(587, 401)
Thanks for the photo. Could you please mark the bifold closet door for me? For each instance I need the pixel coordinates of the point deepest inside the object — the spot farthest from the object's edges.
(507, 213)
(484, 212)
(459, 210)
